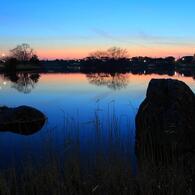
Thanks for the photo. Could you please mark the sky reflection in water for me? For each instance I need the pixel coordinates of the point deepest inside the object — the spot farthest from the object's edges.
(72, 95)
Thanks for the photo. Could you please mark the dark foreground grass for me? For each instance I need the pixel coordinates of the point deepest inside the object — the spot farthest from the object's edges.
(105, 168)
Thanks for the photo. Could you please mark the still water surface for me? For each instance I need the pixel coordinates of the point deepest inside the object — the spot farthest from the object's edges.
(74, 96)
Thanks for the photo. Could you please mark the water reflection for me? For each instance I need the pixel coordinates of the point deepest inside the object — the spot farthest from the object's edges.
(23, 82)
(68, 93)
(113, 81)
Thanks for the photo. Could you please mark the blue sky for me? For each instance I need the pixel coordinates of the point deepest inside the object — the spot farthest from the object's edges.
(73, 28)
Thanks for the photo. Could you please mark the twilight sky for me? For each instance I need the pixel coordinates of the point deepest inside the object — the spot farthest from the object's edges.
(74, 28)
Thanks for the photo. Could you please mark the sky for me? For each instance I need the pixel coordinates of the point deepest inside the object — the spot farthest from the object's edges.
(75, 28)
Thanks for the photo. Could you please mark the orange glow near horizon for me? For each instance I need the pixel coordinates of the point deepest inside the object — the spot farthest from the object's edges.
(61, 54)
(78, 53)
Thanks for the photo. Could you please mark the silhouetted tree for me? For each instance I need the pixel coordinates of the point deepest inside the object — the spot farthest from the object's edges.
(34, 59)
(10, 64)
(170, 59)
(117, 53)
(22, 52)
(98, 55)
(111, 53)
(112, 60)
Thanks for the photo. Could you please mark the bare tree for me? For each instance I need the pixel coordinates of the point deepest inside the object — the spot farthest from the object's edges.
(22, 52)
(113, 52)
(117, 53)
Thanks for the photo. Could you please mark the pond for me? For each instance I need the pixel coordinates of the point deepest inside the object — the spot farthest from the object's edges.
(81, 103)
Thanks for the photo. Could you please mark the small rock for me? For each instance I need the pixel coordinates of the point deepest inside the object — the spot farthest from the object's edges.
(22, 120)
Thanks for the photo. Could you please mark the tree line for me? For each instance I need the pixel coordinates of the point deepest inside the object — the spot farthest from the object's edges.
(114, 58)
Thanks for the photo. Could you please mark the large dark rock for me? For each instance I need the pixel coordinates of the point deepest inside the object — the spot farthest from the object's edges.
(22, 120)
(165, 138)
(167, 115)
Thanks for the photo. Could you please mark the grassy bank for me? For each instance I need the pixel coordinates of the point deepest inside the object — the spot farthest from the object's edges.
(104, 168)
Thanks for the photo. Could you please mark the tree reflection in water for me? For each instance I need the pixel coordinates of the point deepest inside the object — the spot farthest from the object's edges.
(113, 81)
(23, 82)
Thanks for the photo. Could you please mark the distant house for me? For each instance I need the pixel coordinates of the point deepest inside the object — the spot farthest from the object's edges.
(159, 61)
(186, 59)
(141, 60)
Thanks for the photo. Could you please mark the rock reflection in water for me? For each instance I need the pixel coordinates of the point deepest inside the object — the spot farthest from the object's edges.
(113, 81)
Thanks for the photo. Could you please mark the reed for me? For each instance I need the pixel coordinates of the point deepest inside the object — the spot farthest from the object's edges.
(104, 168)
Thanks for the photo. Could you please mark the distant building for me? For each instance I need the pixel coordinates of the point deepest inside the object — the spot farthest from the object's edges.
(141, 59)
(186, 59)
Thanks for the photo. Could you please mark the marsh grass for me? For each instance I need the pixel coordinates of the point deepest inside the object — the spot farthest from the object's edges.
(102, 166)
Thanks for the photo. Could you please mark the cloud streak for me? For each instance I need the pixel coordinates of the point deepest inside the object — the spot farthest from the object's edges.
(145, 40)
